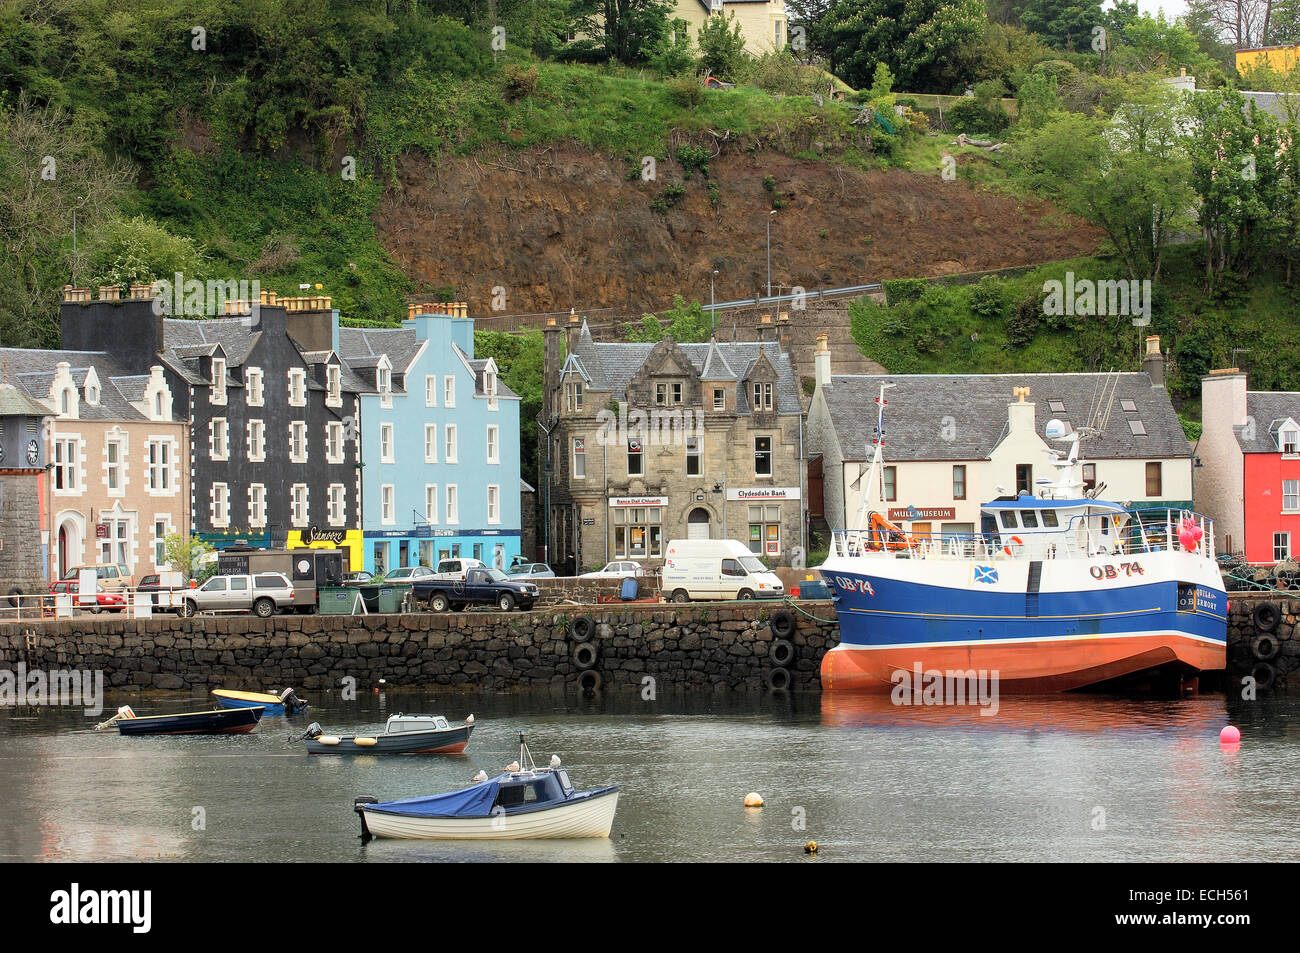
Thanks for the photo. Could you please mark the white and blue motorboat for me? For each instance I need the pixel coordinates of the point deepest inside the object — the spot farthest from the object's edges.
(523, 802)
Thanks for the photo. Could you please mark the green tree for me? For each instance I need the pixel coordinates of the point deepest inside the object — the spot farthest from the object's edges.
(1065, 24)
(722, 48)
(917, 39)
(520, 358)
(630, 31)
(185, 554)
(684, 323)
(125, 252)
(1128, 173)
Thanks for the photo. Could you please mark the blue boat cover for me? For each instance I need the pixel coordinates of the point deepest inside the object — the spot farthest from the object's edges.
(473, 801)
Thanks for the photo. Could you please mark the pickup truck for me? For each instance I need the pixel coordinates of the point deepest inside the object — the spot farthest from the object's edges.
(479, 587)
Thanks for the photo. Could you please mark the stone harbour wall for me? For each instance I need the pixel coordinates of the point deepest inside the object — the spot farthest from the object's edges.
(710, 646)
(1268, 652)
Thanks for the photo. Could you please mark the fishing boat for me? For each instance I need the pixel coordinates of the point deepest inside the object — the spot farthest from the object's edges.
(523, 802)
(223, 721)
(402, 734)
(1059, 590)
(285, 703)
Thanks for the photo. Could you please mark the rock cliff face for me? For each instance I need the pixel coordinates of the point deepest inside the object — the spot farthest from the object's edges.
(565, 227)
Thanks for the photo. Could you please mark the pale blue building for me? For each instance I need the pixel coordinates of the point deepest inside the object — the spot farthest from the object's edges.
(439, 444)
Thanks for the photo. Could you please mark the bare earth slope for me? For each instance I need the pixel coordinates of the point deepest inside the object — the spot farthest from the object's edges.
(564, 227)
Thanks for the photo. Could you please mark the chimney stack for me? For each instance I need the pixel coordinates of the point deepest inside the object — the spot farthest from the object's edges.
(822, 361)
(1153, 362)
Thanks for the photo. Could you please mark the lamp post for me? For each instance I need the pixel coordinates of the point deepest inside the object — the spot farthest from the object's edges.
(713, 303)
(769, 252)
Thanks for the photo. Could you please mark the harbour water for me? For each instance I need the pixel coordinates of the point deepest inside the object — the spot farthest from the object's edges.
(1064, 778)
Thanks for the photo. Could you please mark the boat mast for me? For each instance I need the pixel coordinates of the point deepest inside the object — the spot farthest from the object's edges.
(877, 458)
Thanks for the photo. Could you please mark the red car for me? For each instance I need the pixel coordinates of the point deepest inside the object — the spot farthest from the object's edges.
(104, 601)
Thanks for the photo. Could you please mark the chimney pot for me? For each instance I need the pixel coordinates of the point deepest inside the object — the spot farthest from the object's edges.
(550, 322)
(1153, 344)
(784, 316)
(766, 319)
(109, 293)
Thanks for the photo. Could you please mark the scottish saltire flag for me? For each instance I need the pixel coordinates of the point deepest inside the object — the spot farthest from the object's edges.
(986, 574)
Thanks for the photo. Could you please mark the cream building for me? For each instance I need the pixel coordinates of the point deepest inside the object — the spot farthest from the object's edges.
(954, 442)
(763, 23)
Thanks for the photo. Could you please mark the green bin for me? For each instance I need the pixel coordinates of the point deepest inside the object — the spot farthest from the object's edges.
(392, 595)
(339, 600)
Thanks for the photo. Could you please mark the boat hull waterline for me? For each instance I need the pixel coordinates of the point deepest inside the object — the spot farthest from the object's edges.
(452, 740)
(590, 816)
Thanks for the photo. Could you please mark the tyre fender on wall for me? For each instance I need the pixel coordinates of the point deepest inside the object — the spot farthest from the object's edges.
(1267, 615)
(783, 623)
(582, 628)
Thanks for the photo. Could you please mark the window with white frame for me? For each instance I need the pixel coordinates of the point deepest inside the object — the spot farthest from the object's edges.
(298, 504)
(493, 442)
(1281, 547)
(253, 393)
(449, 449)
(448, 391)
(579, 458)
(256, 440)
(1289, 441)
(337, 499)
(765, 529)
(384, 384)
(493, 503)
(385, 443)
(160, 469)
(431, 502)
(453, 507)
(219, 438)
(762, 397)
(430, 390)
(92, 393)
(490, 388)
(333, 385)
(297, 441)
(430, 443)
(1290, 495)
(67, 459)
(387, 511)
(161, 527)
(116, 548)
(334, 441)
(297, 387)
(220, 509)
(113, 476)
(257, 505)
(719, 398)
(218, 392)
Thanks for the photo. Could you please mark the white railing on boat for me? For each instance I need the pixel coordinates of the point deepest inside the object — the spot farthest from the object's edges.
(1141, 533)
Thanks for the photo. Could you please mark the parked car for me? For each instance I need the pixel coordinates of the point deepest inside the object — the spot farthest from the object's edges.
(263, 594)
(622, 569)
(408, 574)
(112, 576)
(456, 568)
(357, 577)
(479, 587)
(532, 570)
(104, 600)
(716, 569)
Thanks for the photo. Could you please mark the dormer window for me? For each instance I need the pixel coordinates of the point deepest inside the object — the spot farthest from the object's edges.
(669, 392)
(92, 394)
(67, 401)
(573, 392)
(384, 380)
(333, 385)
(762, 396)
(158, 404)
(1290, 442)
(218, 380)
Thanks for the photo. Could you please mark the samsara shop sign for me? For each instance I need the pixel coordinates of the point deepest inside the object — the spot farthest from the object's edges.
(638, 501)
(763, 493)
(917, 513)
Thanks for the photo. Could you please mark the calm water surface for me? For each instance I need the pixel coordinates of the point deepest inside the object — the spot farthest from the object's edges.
(1088, 778)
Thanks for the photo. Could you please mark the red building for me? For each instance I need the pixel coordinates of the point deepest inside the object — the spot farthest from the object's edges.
(1249, 478)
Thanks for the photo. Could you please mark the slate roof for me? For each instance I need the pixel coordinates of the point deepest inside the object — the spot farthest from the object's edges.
(16, 402)
(235, 335)
(362, 346)
(480, 384)
(34, 372)
(1269, 409)
(918, 405)
(611, 366)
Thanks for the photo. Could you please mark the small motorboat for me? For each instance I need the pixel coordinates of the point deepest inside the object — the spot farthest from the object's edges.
(285, 703)
(402, 734)
(524, 802)
(223, 721)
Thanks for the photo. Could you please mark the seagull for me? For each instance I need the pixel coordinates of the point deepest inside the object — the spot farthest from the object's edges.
(555, 761)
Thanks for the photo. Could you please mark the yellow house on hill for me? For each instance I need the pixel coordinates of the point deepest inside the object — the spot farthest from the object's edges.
(762, 22)
(1282, 59)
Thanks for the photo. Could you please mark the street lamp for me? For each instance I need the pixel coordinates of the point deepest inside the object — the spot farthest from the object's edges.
(769, 252)
(713, 303)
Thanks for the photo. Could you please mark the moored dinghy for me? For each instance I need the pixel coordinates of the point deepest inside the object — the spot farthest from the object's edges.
(223, 721)
(524, 802)
(403, 734)
(285, 703)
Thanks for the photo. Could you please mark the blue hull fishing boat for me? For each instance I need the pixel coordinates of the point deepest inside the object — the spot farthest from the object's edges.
(285, 703)
(223, 721)
(524, 802)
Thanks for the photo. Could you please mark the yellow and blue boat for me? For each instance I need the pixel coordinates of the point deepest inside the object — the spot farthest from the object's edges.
(285, 703)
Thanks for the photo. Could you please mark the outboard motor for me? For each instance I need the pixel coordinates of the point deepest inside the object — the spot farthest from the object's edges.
(313, 731)
(356, 802)
(291, 701)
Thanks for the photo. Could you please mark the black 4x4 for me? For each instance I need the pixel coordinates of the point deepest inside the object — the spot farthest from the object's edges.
(479, 587)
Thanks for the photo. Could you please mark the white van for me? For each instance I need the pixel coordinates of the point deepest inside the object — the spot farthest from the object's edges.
(716, 569)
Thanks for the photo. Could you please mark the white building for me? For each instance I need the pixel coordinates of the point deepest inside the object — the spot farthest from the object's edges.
(954, 442)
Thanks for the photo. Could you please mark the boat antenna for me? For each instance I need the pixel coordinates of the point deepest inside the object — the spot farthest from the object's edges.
(526, 762)
(877, 458)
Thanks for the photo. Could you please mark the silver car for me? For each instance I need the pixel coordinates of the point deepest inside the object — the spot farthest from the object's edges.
(262, 594)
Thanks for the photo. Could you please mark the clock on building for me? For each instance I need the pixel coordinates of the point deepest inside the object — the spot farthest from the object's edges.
(33, 452)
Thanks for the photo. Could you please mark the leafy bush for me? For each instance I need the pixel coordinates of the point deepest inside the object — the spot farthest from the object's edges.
(988, 298)
(1022, 324)
(692, 158)
(901, 290)
(686, 93)
(520, 82)
(968, 116)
